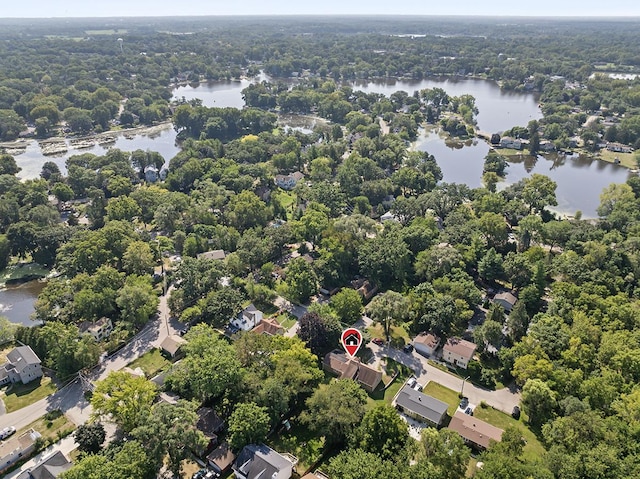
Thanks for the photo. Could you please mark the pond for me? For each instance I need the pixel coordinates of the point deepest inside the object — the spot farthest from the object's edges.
(17, 301)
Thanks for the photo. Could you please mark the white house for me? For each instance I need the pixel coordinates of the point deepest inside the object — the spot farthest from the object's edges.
(16, 448)
(458, 352)
(426, 344)
(248, 319)
(288, 182)
(508, 142)
(23, 365)
(100, 329)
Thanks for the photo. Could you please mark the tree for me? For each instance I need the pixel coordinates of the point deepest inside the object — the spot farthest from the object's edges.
(383, 432)
(489, 333)
(347, 304)
(517, 322)
(124, 399)
(5, 251)
(443, 453)
(210, 367)
(137, 300)
(171, 430)
(301, 280)
(248, 424)
(124, 460)
(335, 409)
(359, 464)
(321, 334)
(490, 266)
(221, 305)
(538, 192)
(538, 401)
(387, 309)
(385, 258)
(138, 258)
(90, 437)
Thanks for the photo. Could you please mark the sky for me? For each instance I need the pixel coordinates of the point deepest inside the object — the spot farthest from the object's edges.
(120, 8)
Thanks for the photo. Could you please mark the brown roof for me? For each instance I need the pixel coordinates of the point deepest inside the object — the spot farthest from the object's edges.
(474, 430)
(171, 344)
(427, 339)
(222, 456)
(213, 254)
(349, 368)
(460, 347)
(269, 326)
(506, 296)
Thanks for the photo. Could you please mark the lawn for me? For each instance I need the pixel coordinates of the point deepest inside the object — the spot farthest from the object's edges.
(286, 320)
(18, 396)
(444, 394)
(300, 442)
(533, 449)
(287, 200)
(189, 467)
(151, 363)
(626, 159)
(52, 426)
(399, 335)
(385, 396)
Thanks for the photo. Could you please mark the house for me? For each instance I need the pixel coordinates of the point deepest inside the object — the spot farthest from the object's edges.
(171, 345)
(420, 406)
(458, 352)
(213, 254)
(210, 424)
(337, 363)
(505, 299)
(288, 182)
(260, 461)
(475, 432)
(508, 142)
(426, 344)
(619, 148)
(248, 318)
(100, 329)
(23, 365)
(389, 216)
(269, 326)
(151, 174)
(547, 146)
(16, 448)
(364, 287)
(221, 458)
(50, 468)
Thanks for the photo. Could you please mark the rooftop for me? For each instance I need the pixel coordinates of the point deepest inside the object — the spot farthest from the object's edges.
(475, 430)
(461, 347)
(50, 468)
(213, 254)
(421, 404)
(427, 339)
(260, 461)
(222, 456)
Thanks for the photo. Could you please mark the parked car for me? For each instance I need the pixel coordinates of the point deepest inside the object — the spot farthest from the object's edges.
(200, 474)
(378, 341)
(469, 411)
(6, 432)
(411, 382)
(407, 348)
(464, 402)
(515, 414)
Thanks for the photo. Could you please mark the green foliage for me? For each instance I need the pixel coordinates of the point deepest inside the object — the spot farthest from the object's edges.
(382, 432)
(248, 424)
(347, 304)
(90, 437)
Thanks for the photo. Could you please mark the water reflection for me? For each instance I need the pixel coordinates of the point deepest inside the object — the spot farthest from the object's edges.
(16, 301)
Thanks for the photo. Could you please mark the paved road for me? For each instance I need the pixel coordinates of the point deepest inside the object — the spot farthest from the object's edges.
(503, 399)
(70, 399)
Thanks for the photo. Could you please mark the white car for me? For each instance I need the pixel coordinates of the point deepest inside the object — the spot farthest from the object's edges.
(6, 432)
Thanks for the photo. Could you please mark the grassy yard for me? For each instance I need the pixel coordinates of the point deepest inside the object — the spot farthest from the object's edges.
(18, 396)
(533, 449)
(267, 308)
(300, 442)
(385, 396)
(52, 428)
(443, 394)
(399, 335)
(151, 363)
(626, 159)
(286, 320)
(189, 467)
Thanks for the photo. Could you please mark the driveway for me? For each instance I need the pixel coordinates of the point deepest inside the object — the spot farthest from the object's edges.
(503, 399)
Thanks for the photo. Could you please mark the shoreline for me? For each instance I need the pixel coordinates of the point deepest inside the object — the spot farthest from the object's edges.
(61, 144)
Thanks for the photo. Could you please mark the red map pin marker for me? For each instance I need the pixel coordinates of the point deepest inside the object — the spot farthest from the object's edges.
(351, 340)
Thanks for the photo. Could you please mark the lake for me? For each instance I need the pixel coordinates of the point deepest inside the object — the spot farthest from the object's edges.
(579, 181)
(17, 300)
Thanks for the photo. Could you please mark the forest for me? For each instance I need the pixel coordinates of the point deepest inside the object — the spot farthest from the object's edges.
(111, 235)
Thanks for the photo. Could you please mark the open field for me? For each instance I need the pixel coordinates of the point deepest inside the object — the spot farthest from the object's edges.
(151, 363)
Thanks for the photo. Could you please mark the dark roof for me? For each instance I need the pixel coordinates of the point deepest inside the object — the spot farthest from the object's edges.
(48, 469)
(222, 456)
(421, 404)
(22, 357)
(260, 461)
(171, 344)
(209, 422)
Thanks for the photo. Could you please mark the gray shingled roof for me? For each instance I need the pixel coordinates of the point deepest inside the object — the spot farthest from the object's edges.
(260, 461)
(421, 404)
(21, 357)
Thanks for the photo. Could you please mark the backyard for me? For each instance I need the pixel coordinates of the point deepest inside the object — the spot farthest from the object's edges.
(300, 442)
(151, 363)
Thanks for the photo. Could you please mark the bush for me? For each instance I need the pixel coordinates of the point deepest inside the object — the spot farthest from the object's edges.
(52, 415)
